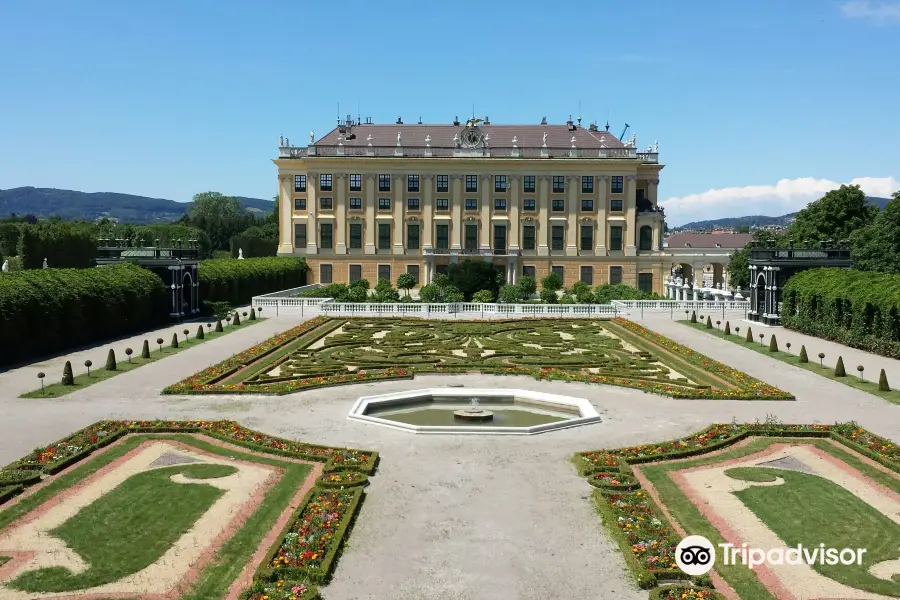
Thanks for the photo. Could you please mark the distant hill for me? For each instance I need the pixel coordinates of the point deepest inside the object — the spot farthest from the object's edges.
(759, 220)
(69, 204)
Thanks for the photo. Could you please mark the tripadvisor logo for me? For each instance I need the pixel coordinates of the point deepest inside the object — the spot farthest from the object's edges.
(695, 555)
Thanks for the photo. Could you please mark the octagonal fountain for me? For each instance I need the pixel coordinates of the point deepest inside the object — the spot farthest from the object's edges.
(474, 411)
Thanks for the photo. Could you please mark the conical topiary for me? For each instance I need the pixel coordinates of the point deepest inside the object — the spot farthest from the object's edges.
(252, 314)
(708, 323)
(174, 340)
(839, 368)
(145, 350)
(111, 360)
(727, 328)
(883, 382)
(803, 357)
(749, 334)
(693, 316)
(237, 319)
(773, 344)
(68, 378)
(199, 335)
(219, 327)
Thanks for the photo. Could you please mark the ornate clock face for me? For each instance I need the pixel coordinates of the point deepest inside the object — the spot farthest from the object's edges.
(471, 137)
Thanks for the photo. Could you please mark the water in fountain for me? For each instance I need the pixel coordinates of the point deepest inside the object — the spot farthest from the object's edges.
(474, 402)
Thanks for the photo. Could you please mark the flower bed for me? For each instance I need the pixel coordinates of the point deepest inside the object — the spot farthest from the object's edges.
(306, 552)
(647, 539)
(520, 347)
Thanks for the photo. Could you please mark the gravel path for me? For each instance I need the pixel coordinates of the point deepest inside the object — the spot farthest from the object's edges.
(453, 517)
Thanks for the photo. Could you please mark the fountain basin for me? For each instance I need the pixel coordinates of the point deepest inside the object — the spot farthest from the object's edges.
(497, 411)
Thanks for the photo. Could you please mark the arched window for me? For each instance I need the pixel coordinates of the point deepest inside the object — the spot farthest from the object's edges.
(646, 240)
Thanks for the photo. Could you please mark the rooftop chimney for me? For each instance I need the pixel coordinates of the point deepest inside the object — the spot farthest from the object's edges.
(544, 121)
(456, 121)
(487, 120)
(570, 124)
(420, 120)
(399, 121)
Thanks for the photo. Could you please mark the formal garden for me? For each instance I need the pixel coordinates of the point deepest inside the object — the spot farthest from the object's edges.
(325, 352)
(131, 508)
(837, 485)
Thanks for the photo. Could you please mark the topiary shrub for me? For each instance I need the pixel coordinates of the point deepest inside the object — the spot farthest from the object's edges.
(174, 340)
(252, 314)
(199, 335)
(68, 378)
(708, 323)
(749, 334)
(145, 350)
(839, 368)
(727, 328)
(883, 382)
(218, 328)
(803, 357)
(693, 316)
(111, 360)
(773, 344)
(237, 319)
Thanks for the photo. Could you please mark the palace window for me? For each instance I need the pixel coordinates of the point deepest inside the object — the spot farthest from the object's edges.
(558, 237)
(384, 236)
(325, 182)
(528, 184)
(412, 236)
(645, 282)
(559, 205)
(414, 271)
(617, 184)
(324, 273)
(500, 238)
(528, 271)
(587, 275)
(471, 203)
(646, 238)
(299, 203)
(412, 204)
(587, 237)
(587, 184)
(615, 275)
(471, 183)
(500, 204)
(528, 237)
(559, 184)
(412, 183)
(559, 270)
(443, 183)
(325, 204)
(615, 205)
(499, 183)
(355, 203)
(471, 237)
(384, 272)
(384, 183)
(442, 237)
(326, 235)
(442, 204)
(528, 204)
(356, 232)
(356, 182)
(299, 183)
(384, 204)
(355, 273)
(300, 236)
(615, 237)
(587, 205)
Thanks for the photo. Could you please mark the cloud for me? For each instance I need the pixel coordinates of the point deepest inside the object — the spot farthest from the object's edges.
(881, 13)
(786, 196)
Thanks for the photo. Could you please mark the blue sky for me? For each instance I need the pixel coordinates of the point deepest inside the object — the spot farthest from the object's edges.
(758, 106)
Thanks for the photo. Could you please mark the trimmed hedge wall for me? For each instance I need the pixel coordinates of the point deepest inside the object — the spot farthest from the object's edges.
(237, 281)
(64, 245)
(857, 308)
(253, 246)
(47, 310)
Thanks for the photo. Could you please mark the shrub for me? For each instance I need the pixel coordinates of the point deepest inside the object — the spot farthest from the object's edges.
(64, 245)
(218, 328)
(549, 296)
(111, 360)
(883, 382)
(145, 350)
(237, 281)
(749, 334)
(68, 378)
(727, 328)
(528, 284)
(237, 319)
(252, 246)
(552, 282)
(803, 357)
(511, 294)
(252, 314)
(773, 344)
(693, 316)
(839, 368)
(174, 340)
(50, 310)
(708, 323)
(483, 297)
(857, 308)
(199, 335)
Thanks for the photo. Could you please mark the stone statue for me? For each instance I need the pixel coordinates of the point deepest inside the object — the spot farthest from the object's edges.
(240, 254)
(5, 268)
(656, 147)
(487, 138)
(369, 139)
(45, 264)
(312, 137)
(545, 139)
(340, 139)
(573, 141)
(281, 141)
(427, 140)
(456, 140)
(515, 140)
(398, 137)
(634, 140)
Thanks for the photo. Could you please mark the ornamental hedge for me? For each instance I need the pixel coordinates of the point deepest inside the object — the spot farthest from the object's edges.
(237, 281)
(857, 308)
(47, 310)
(64, 245)
(253, 246)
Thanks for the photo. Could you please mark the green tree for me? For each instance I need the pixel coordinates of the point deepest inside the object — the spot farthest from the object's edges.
(552, 282)
(472, 276)
(877, 247)
(483, 297)
(582, 293)
(430, 293)
(742, 229)
(549, 296)
(834, 216)
(220, 217)
(511, 294)
(406, 282)
(453, 294)
(385, 292)
(528, 285)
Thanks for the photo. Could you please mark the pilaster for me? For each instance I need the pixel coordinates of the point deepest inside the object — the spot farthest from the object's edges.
(340, 215)
(370, 214)
(572, 215)
(543, 201)
(631, 217)
(427, 213)
(484, 228)
(514, 225)
(456, 210)
(312, 229)
(602, 205)
(399, 189)
(285, 214)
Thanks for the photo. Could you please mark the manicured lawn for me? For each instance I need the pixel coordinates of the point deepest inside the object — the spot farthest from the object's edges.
(810, 510)
(739, 577)
(113, 518)
(99, 373)
(868, 384)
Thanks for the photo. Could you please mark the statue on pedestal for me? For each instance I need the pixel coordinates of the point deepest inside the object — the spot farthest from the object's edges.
(5, 268)
(312, 137)
(45, 264)
(240, 254)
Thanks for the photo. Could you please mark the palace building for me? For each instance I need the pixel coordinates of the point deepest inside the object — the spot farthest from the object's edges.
(370, 201)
